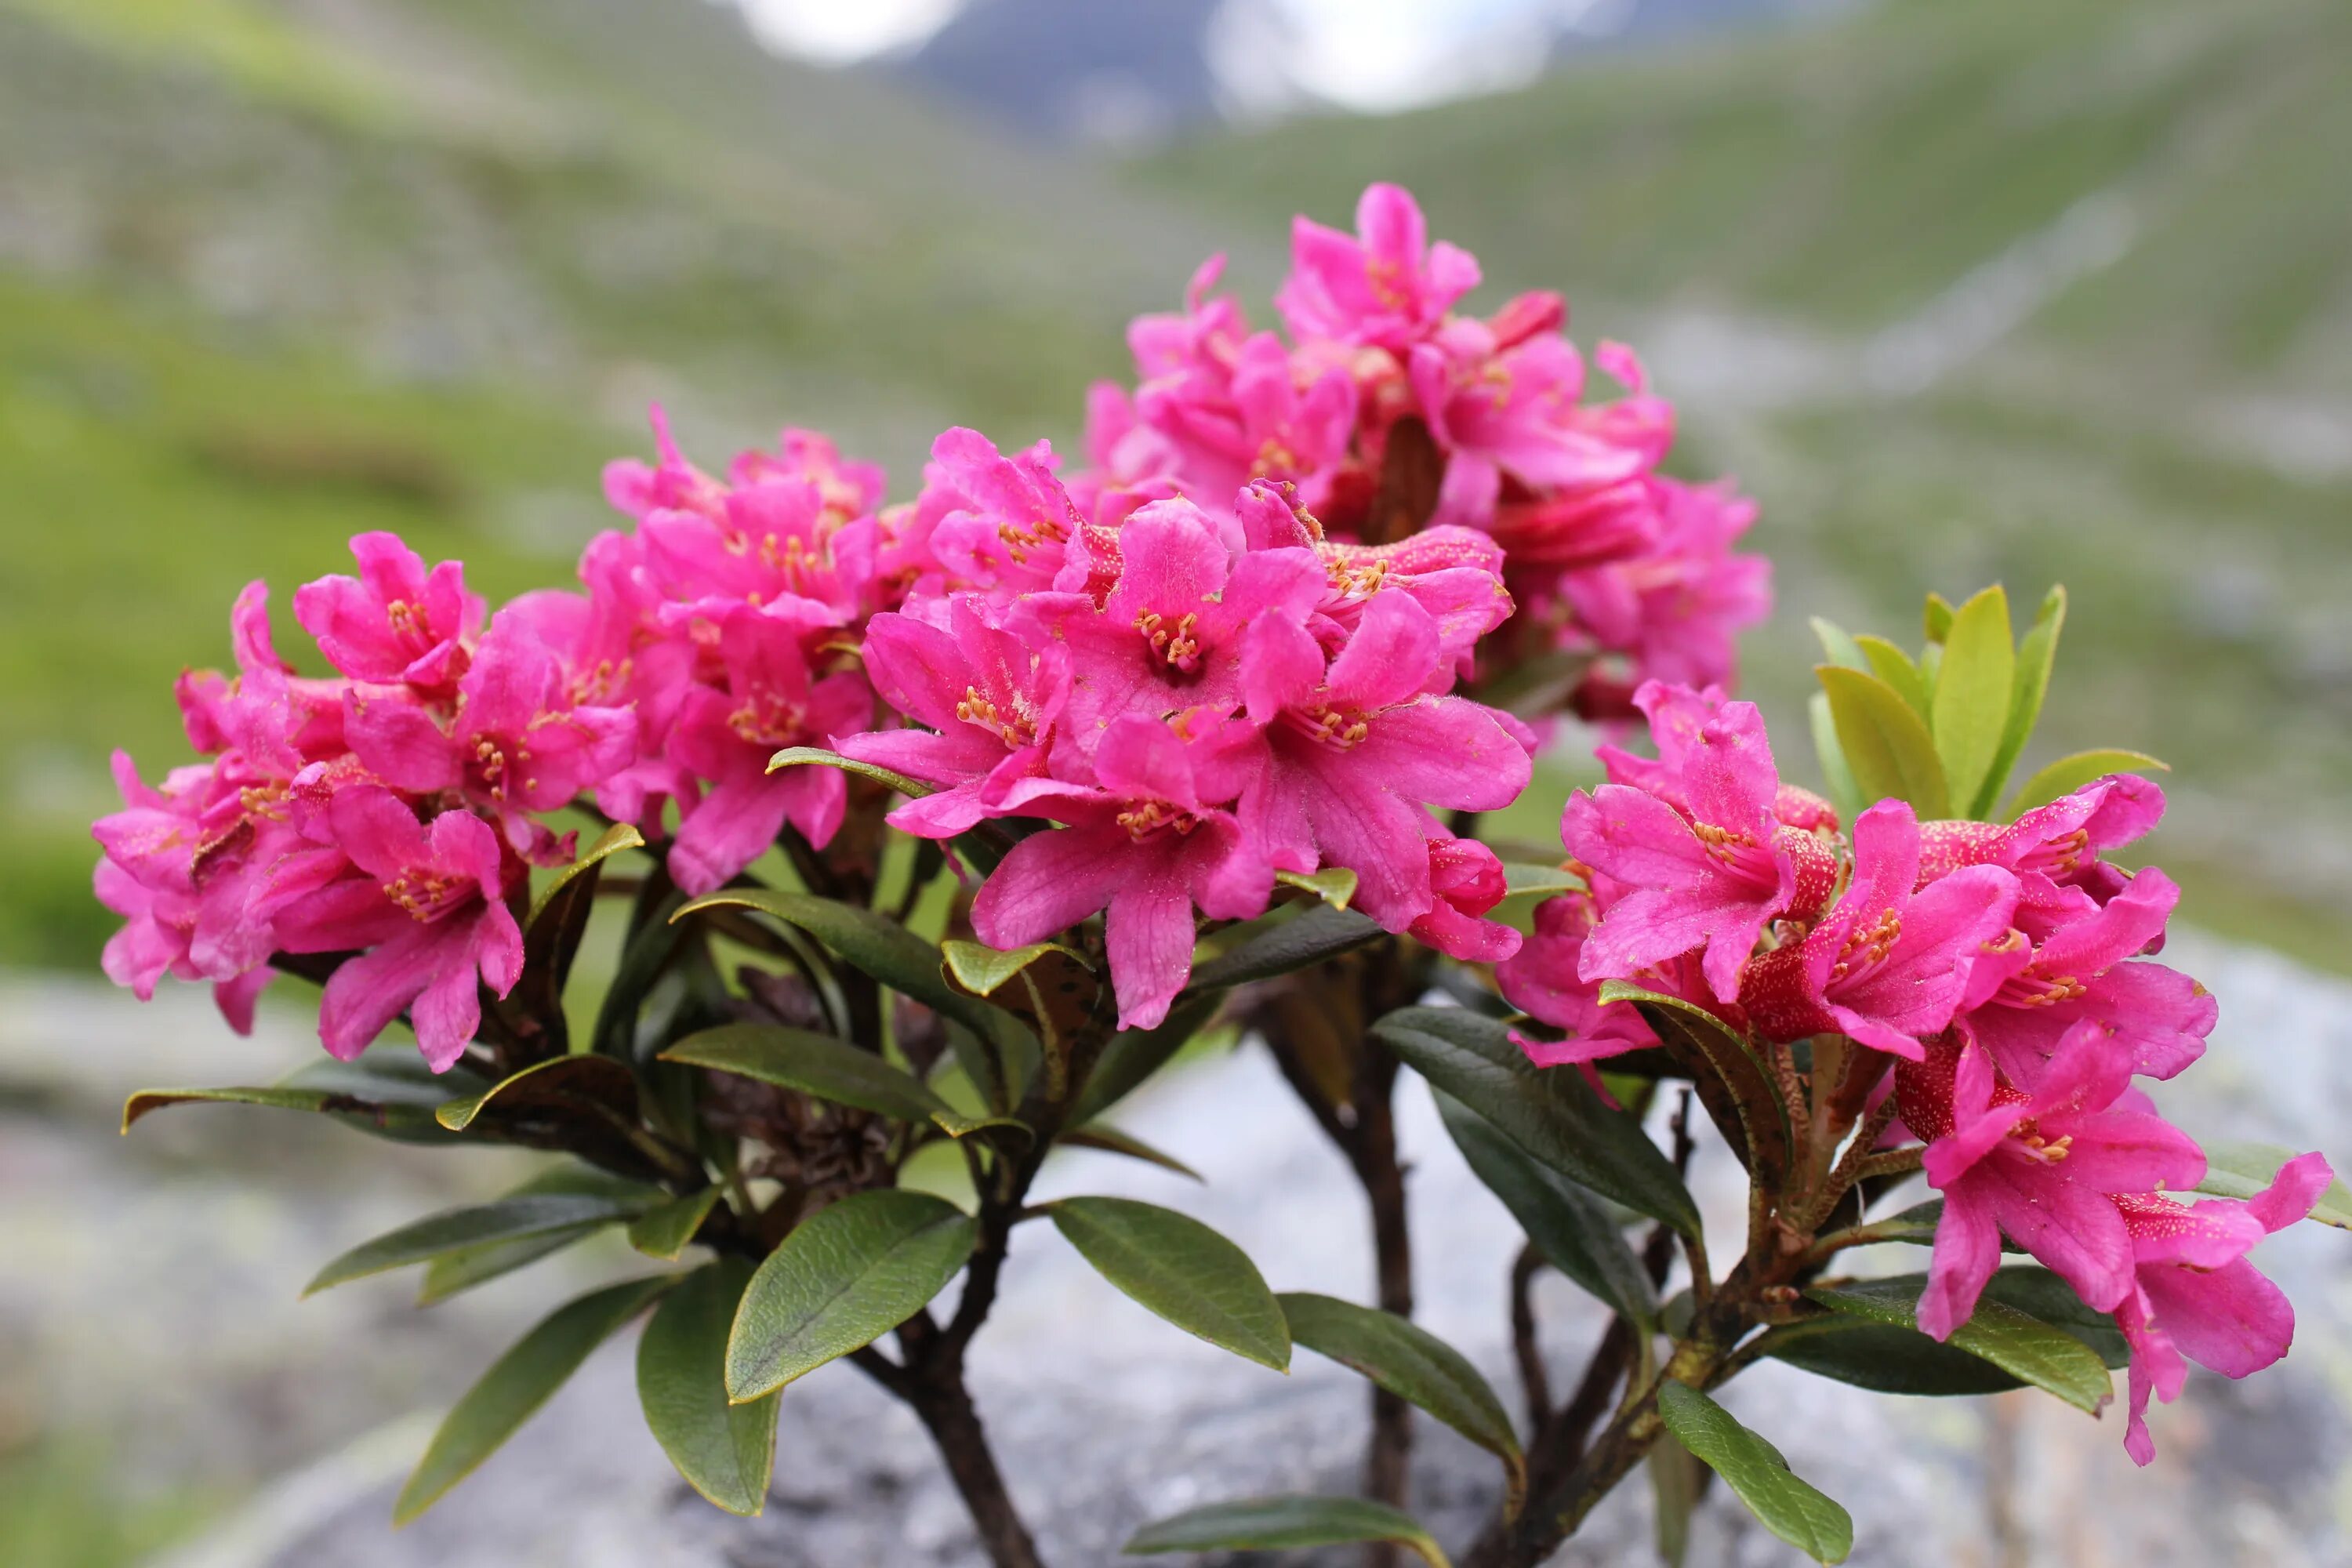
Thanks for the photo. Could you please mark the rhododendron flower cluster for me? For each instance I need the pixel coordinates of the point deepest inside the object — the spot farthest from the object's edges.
(1387, 409)
(2002, 965)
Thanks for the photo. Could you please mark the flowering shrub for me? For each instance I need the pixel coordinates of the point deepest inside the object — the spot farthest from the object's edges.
(1241, 687)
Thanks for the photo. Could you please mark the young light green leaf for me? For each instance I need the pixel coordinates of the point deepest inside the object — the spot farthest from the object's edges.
(1837, 776)
(1739, 1097)
(578, 1083)
(611, 842)
(666, 1229)
(1281, 1523)
(1183, 1270)
(1555, 1117)
(2019, 1344)
(1417, 1367)
(983, 970)
(1893, 666)
(817, 756)
(1568, 1226)
(1110, 1140)
(1974, 686)
(2069, 773)
(1936, 618)
(503, 1219)
(815, 1064)
(516, 1384)
(1314, 934)
(725, 1451)
(1837, 646)
(2036, 652)
(2242, 1170)
(1335, 885)
(1886, 745)
(840, 1281)
(1756, 1474)
(388, 1092)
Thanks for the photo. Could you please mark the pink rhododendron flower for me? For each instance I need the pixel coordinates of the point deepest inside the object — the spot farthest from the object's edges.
(396, 621)
(2196, 1298)
(1544, 979)
(1465, 880)
(427, 902)
(1143, 843)
(1713, 879)
(1887, 965)
(2041, 1168)
(1384, 287)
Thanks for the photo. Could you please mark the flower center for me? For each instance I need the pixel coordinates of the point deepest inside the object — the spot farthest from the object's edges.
(767, 720)
(427, 895)
(1866, 946)
(1144, 819)
(1172, 642)
(1016, 730)
(1324, 724)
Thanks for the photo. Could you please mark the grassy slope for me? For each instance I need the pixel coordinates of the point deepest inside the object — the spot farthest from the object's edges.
(1838, 179)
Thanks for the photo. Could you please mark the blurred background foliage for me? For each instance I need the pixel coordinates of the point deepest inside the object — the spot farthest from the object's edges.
(2018, 290)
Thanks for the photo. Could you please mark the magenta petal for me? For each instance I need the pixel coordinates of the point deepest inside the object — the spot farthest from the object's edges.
(2231, 1319)
(1967, 1249)
(1050, 881)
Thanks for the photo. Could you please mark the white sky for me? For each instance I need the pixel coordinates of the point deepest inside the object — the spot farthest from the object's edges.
(1365, 54)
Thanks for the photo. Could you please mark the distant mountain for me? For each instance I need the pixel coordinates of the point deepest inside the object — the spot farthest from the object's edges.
(1121, 74)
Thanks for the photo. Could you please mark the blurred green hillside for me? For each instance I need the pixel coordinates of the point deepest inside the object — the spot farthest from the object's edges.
(274, 272)
(2018, 290)
(2057, 290)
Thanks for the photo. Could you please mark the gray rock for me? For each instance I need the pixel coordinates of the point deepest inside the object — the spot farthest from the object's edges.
(1103, 1415)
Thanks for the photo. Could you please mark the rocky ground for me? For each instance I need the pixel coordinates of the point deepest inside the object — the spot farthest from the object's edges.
(148, 1302)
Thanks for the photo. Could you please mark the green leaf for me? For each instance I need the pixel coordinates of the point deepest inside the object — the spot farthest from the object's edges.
(1567, 1224)
(1674, 1495)
(1523, 880)
(2018, 1344)
(871, 943)
(1554, 1116)
(576, 1083)
(1314, 934)
(453, 1272)
(1131, 1055)
(1883, 1358)
(1893, 666)
(726, 1452)
(388, 1092)
(1756, 1474)
(2069, 773)
(2242, 1170)
(667, 1229)
(1111, 1141)
(2035, 655)
(1739, 1095)
(1280, 1523)
(1887, 745)
(503, 1219)
(652, 939)
(817, 756)
(841, 1280)
(983, 970)
(1936, 618)
(1838, 646)
(516, 1384)
(1974, 687)
(1183, 1270)
(1335, 885)
(2039, 1293)
(1417, 1367)
(817, 1065)
(611, 842)
(1837, 778)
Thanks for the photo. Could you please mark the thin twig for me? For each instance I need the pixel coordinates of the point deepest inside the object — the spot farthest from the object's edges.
(1533, 1379)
